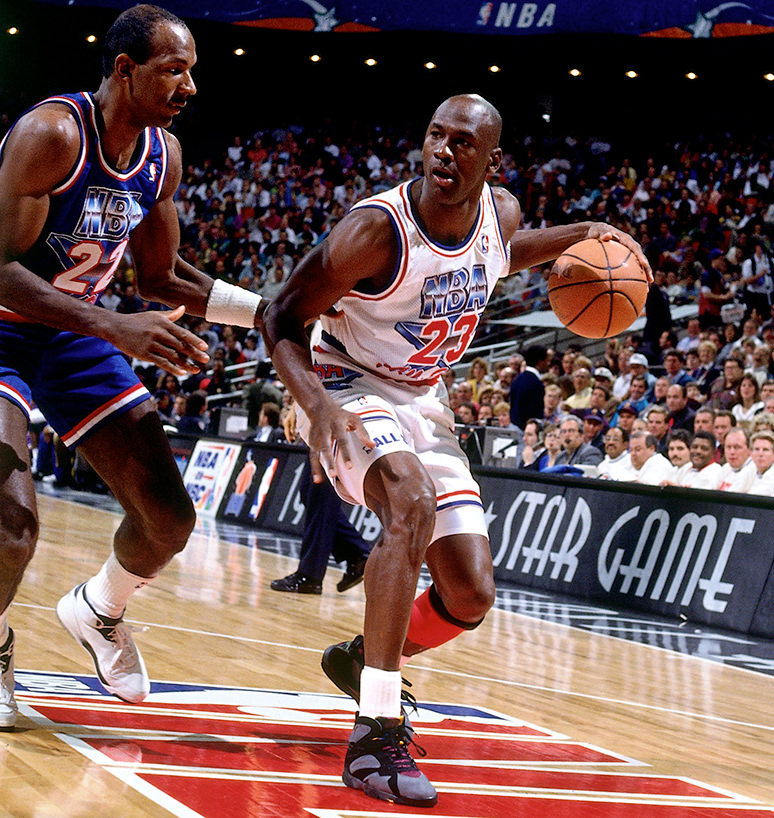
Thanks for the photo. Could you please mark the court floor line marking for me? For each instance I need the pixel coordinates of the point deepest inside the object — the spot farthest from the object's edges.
(468, 676)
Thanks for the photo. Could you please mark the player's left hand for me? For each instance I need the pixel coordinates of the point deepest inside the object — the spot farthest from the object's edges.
(606, 232)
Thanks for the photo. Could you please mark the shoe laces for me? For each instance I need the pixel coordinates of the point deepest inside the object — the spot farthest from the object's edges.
(121, 636)
(397, 746)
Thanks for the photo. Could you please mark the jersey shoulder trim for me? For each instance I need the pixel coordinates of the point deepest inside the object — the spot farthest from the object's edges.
(122, 176)
(401, 235)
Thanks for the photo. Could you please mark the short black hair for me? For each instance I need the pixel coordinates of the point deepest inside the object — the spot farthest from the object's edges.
(534, 354)
(132, 34)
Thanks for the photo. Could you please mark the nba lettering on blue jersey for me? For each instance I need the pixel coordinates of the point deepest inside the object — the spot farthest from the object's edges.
(93, 211)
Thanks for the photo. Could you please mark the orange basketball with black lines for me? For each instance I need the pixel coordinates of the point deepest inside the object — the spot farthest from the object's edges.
(597, 288)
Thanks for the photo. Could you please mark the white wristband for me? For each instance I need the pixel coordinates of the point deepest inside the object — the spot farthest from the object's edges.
(228, 304)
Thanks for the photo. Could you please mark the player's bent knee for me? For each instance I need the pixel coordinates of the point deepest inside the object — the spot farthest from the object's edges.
(18, 535)
(171, 523)
(472, 602)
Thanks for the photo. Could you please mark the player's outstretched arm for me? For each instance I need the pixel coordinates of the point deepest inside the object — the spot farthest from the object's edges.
(532, 247)
(40, 152)
(163, 276)
(362, 246)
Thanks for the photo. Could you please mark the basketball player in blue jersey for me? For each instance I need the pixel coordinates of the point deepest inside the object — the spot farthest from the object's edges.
(81, 177)
(400, 285)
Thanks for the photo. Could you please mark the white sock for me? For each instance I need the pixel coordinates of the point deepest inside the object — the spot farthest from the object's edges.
(109, 590)
(380, 693)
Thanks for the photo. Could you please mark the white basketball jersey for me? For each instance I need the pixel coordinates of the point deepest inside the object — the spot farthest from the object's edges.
(422, 322)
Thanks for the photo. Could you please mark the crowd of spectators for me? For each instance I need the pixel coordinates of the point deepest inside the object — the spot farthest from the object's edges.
(703, 212)
(694, 420)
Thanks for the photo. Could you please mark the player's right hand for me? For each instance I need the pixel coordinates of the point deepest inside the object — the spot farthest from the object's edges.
(156, 338)
(334, 430)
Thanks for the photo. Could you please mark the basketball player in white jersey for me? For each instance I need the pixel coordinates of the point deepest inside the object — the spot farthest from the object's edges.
(400, 285)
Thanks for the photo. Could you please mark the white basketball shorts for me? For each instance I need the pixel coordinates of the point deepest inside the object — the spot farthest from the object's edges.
(408, 419)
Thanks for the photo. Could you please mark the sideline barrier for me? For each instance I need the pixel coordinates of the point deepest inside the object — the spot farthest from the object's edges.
(705, 556)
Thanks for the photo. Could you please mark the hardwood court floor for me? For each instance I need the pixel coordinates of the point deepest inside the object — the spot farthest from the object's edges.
(212, 621)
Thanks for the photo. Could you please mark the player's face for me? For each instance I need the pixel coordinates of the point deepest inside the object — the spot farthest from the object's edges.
(160, 87)
(459, 150)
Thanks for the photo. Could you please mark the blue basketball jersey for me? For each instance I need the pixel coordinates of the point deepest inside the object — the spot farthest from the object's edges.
(93, 210)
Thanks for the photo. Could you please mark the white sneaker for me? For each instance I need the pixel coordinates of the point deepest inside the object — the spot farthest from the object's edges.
(109, 641)
(8, 709)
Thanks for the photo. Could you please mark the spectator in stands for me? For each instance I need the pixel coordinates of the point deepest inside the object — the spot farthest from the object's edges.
(616, 464)
(707, 372)
(648, 466)
(738, 472)
(714, 291)
(763, 458)
(194, 422)
(466, 413)
(762, 421)
(705, 471)
(761, 367)
(530, 448)
(757, 281)
(163, 402)
(658, 426)
(178, 408)
(218, 383)
(638, 365)
(623, 380)
(502, 415)
(679, 452)
(527, 390)
(658, 315)
(478, 377)
(749, 402)
(261, 390)
(730, 337)
(703, 419)
(725, 391)
(680, 414)
(692, 338)
(575, 451)
(722, 424)
(673, 365)
(552, 413)
(581, 396)
(269, 427)
(625, 416)
(594, 427)
(552, 440)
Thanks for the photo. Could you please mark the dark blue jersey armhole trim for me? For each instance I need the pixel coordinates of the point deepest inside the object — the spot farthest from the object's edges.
(361, 287)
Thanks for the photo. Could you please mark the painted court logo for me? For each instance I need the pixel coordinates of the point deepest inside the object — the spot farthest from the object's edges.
(220, 752)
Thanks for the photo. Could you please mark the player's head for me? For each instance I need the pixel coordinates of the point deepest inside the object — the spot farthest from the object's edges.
(132, 33)
(461, 146)
(150, 52)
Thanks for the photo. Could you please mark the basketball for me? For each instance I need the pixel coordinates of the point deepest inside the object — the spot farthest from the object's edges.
(597, 288)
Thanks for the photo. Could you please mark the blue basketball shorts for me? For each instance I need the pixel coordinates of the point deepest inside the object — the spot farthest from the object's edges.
(77, 381)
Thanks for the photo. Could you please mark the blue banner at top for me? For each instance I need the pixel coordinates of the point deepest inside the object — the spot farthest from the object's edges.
(655, 18)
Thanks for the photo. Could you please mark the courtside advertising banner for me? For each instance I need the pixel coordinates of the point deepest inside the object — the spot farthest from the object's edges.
(207, 474)
(683, 553)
